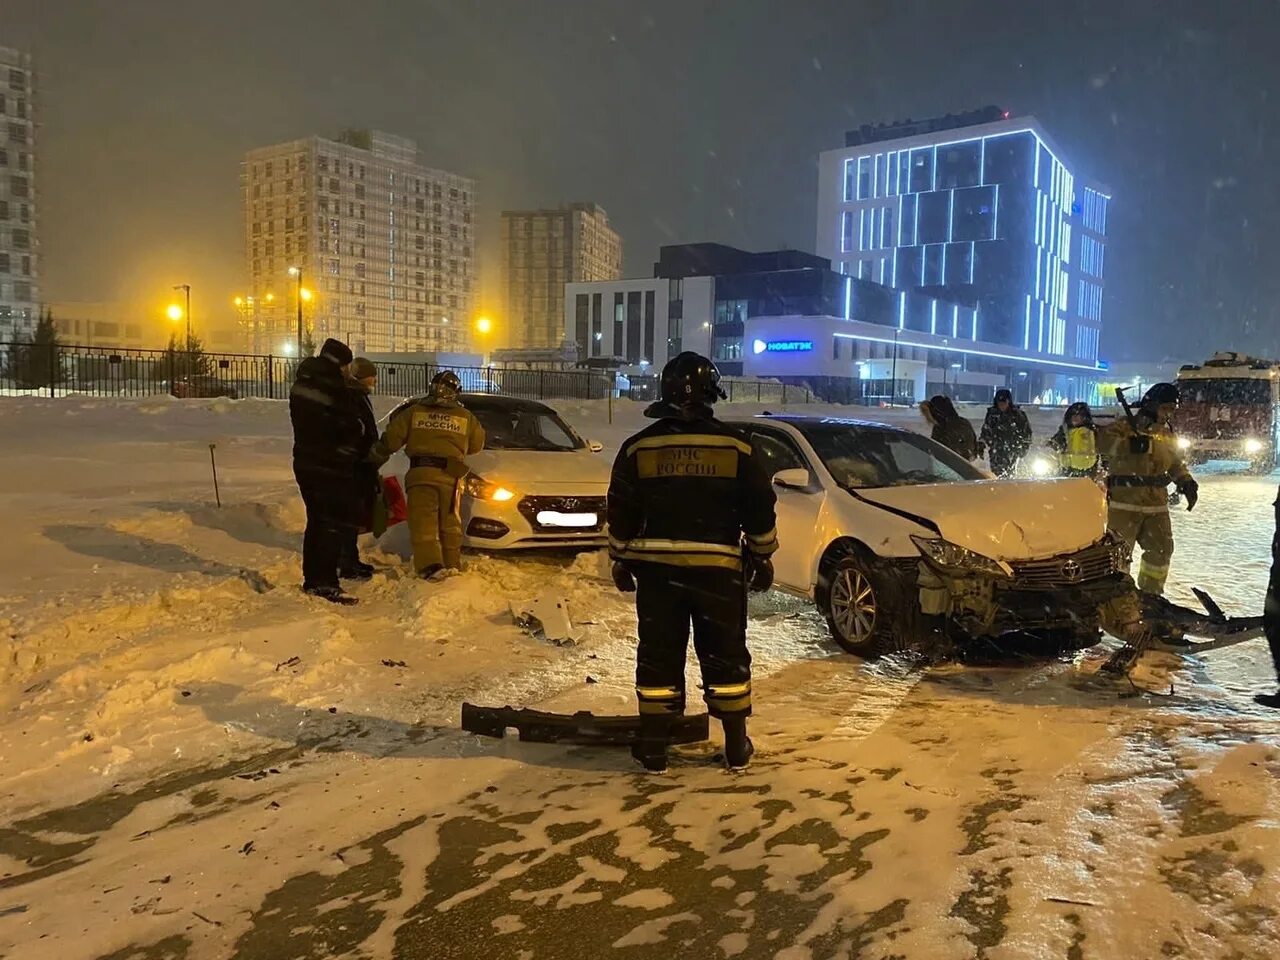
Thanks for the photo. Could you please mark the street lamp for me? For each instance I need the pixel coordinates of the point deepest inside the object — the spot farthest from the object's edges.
(484, 325)
(185, 288)
(296, 272)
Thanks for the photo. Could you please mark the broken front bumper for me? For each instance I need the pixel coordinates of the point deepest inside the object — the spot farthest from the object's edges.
(985, 605)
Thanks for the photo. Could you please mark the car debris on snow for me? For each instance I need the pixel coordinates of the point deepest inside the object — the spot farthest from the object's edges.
(547, 618)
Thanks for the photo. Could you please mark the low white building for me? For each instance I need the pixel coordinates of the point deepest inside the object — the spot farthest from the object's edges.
(643, 322)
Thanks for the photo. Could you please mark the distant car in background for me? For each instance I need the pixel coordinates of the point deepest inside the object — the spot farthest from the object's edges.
(203, 387)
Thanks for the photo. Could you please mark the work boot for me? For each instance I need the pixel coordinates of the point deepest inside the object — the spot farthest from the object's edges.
(650, 750)
(738, 747)
(357, 571)
(1271, 700)
(433, 573)
(332, 594)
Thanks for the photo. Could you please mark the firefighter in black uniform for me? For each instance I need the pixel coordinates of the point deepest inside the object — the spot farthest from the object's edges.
(691, 528)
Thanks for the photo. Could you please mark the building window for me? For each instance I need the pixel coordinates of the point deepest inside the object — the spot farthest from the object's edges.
(333, 267)
(864, 178)
(597, 331)
(582, 323)
(846, 230)
(960, 165)
(973, 214)
(649, 311)
(922, 170)
(4, 263)
(20, 239)
(619, 323)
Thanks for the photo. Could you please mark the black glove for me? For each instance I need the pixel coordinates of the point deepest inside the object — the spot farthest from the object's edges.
(1191, 490)
(759, 573)
(622, 578)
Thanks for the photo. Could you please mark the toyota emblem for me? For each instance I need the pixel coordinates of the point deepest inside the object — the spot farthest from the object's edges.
(1071, 570)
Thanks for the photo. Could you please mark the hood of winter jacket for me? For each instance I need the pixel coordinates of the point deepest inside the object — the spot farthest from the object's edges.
(1081, 408)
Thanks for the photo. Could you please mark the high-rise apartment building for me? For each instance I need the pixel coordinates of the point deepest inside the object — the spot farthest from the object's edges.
(982, 212)
(19, 248)
(385, 245)
(542, 250)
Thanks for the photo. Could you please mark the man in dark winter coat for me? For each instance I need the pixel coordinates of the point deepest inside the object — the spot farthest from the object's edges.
(1271, 614)
(1006, 435)
(362, 376)
(949, 428)
(328, 441)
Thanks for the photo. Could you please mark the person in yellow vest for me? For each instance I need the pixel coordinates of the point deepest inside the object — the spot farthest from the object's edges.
(1142, 459)
(438, 433)
(1077, 442)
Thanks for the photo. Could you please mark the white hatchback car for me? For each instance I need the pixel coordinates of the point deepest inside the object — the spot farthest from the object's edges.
(536, 484)
(876, 523)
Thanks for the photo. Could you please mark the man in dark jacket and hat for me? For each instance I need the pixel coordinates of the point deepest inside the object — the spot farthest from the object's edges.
(1006, 434)
(328, 442)
(949, 428)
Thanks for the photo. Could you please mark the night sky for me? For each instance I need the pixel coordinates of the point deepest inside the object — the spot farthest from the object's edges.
(686, 120)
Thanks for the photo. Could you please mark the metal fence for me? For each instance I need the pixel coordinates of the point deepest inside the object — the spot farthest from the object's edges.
(70, 370)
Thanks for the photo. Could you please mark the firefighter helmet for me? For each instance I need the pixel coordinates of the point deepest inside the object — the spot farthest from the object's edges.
(690, 379)
(445, 385)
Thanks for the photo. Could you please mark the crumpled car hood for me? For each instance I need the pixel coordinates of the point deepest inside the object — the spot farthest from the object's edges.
(1007, 519)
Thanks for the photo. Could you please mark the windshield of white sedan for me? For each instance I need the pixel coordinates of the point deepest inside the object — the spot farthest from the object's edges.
(514, 429)
(869, 457)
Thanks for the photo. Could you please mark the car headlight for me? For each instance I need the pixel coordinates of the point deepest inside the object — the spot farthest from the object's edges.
(1252, 446)
(1040, 467)
(1184, 443)
(952, 556)
(481, 489)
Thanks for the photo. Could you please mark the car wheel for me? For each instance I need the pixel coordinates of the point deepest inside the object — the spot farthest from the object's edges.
(860, 607)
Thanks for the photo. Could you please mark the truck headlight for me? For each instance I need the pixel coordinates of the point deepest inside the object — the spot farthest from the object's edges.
(1040, 467)
(1252, 446)
(1184, 443)
(481, 489)
(952, 556)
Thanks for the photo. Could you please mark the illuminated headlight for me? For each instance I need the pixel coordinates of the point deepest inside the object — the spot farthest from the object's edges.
(1184, 443)
(952, 556)
(1040, 467)
(479, 488)
(1252, 446)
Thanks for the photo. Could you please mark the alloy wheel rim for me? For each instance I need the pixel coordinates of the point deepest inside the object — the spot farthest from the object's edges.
(853, 606)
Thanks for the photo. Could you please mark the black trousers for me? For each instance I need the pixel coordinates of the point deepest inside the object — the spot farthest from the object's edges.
(1271, 616)
(713, 600)
(331, 499)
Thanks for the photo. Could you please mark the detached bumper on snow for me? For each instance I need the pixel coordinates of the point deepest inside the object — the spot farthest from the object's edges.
(583, 727)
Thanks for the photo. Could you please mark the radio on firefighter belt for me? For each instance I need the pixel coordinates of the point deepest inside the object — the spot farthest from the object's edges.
(1139, 442)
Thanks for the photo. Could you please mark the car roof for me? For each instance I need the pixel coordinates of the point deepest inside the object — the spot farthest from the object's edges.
(491, 401)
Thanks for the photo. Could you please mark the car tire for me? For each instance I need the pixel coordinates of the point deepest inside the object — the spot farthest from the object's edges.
(861, 606)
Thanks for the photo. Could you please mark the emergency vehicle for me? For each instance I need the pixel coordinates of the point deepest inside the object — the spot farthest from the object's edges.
(1229, 409)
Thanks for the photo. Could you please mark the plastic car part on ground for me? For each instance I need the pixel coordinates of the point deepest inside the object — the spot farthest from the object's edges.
(547, 618)
(583, 727)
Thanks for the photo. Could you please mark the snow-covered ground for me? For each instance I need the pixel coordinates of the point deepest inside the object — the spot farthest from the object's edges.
(201, 762)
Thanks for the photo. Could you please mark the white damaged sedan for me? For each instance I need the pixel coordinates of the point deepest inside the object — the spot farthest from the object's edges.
(880, 526)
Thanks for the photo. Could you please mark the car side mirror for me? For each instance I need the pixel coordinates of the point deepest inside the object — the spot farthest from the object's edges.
(796, 478)
(595, 446)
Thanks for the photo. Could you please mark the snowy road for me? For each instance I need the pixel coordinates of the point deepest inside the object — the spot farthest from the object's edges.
(201, 763)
